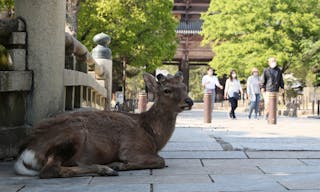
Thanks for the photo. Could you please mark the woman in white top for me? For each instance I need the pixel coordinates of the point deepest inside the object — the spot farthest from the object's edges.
(209, 82)
(231, 92)
(253, 91)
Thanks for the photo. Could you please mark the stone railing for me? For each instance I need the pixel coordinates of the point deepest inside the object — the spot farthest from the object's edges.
(15, 84)
(87, 78)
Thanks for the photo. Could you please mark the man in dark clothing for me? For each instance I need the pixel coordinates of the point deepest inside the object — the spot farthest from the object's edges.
(272, 80)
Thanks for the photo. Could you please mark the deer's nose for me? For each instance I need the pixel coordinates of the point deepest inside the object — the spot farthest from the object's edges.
(188, 101)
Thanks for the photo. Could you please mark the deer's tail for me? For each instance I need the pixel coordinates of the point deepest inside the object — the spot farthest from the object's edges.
(27, 163)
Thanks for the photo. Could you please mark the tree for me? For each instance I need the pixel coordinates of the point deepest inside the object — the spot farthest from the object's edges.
(142, 32)
(72, 10)
(245, 33)
(6, 4)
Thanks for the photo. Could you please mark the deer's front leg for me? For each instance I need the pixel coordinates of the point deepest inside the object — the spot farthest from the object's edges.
(139, 162)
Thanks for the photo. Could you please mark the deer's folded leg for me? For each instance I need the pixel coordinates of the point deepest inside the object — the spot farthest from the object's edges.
(54, 169)
(139, 162)
(101, 170)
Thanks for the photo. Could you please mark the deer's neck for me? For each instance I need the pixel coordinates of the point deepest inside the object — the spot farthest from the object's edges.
(161, 123)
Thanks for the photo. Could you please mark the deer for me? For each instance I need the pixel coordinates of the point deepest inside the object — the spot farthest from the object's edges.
(105, 142)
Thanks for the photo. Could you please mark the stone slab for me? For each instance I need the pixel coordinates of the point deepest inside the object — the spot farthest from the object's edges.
(250, 162)
(203, 154)
(300, 181)
(91, 188)
(290, 169)
(18, 38)
(190, 135)
(35, 181)
(192, 146)
(151, 179)
(183, 163)
(18, 59)
(279, 143)
(181, 167)
(283, 154)
(311, 161)
(180, 171)
(15, 81)
(225, 183)
(6, 170)
(247, 183)
(144, 172)
(11, 188)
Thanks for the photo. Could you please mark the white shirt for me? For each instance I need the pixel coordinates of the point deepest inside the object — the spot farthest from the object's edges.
(232, 86)
(253, 85)
(210, 82)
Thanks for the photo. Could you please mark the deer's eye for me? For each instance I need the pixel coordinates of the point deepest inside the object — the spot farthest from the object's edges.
(167, 91)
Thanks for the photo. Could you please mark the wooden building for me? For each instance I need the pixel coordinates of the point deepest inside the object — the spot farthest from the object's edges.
(189, 51)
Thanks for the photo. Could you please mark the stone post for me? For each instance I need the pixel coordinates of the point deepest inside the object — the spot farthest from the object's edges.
(45, 21)
(142, 102)
(318, 111)
(103, 67)
(272, 108)
(207, 101)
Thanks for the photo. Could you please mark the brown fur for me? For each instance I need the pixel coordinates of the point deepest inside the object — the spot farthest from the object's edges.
(99, 141)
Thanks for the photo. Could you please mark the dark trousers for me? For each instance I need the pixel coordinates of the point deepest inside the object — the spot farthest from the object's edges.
(234, 105)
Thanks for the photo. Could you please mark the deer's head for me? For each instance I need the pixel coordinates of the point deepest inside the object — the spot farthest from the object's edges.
(170, 92)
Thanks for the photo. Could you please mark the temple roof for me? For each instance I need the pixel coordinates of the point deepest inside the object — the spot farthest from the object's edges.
(191, 27)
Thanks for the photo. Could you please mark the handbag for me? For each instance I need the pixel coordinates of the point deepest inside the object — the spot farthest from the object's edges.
(236, 95)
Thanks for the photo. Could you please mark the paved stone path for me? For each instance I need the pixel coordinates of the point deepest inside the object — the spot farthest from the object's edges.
(226, 155)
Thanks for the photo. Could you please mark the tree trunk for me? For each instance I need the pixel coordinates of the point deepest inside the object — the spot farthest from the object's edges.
(184, 68)
(124, 78)
(72, 10)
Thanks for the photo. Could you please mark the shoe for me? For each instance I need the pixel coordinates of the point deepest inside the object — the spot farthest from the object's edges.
(249, 117)
(230, 115)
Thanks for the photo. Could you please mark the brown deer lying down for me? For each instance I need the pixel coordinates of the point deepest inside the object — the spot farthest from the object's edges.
(100, 142)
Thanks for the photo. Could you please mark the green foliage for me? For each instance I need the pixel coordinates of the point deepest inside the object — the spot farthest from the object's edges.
(245, 33)
(4, 59)
(142, 32)
(6, 4)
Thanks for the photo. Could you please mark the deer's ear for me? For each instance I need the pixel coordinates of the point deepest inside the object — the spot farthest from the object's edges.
(150, 81)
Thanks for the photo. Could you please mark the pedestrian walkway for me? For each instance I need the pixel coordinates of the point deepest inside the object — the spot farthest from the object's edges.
(225, 155)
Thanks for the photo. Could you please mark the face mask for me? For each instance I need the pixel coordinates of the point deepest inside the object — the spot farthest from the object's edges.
(234, 75)
(273, 64)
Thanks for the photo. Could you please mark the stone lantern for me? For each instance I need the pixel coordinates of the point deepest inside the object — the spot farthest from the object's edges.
(103, 66)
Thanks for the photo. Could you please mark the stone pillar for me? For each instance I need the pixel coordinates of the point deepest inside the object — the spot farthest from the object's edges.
(272, 107)
(103, 67)
(142, 102)
(207, 101)
(45, 20)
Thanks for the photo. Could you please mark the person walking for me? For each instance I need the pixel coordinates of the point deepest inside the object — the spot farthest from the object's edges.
(271, 81)
(231, 92)
(253, 91)
(209, 82)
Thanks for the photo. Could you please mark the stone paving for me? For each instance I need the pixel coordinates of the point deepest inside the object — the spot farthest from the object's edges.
(226, 155)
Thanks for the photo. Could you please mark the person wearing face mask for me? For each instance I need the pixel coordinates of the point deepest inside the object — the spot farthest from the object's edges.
(231, 92)
(271, 81)
(253, 91)
(209, 82)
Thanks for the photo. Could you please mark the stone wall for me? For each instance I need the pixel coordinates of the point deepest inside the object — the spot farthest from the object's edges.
(15, 85)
